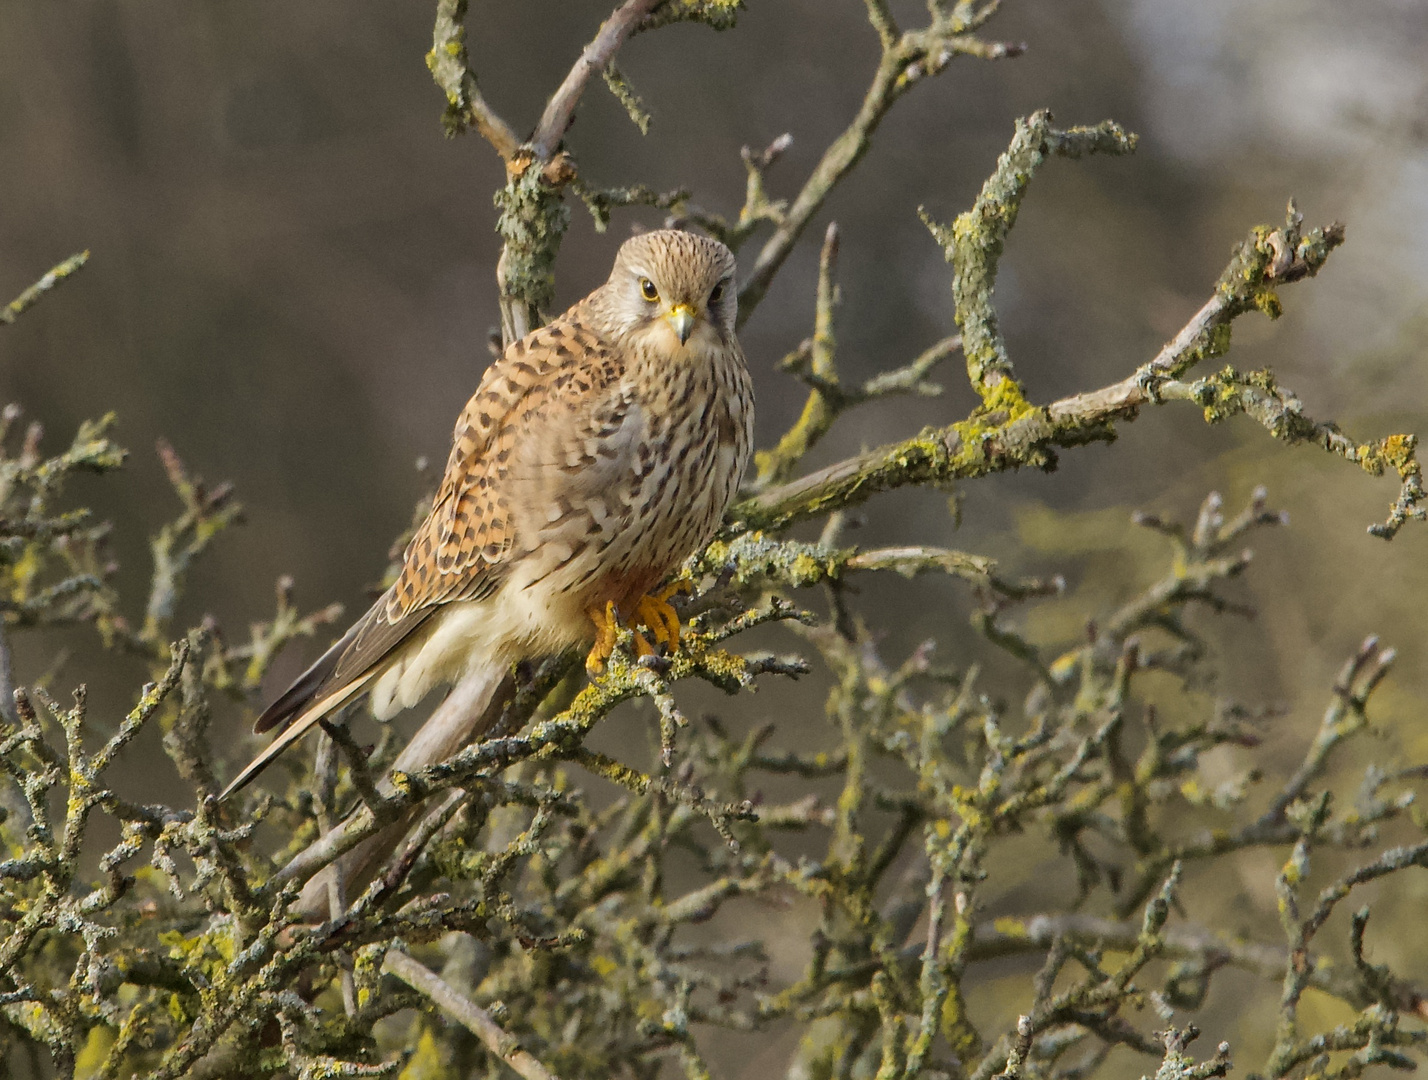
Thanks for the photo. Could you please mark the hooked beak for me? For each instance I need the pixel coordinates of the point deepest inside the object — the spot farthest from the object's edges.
(681, 317)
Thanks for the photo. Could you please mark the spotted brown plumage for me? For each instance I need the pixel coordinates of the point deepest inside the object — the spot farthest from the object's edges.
(595, 456)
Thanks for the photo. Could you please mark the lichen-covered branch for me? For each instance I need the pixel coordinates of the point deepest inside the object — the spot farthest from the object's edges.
(1258, 395)
(450, 68)
(1008, 432)
(973, 243)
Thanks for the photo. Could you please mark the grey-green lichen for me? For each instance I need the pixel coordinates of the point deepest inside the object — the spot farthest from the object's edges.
(447, 62)
(625, 94)
(719, 14)
(533, 219)
(974, 242)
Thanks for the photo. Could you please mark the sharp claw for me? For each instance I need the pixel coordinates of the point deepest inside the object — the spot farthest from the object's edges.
(680, 586)
(604, 620)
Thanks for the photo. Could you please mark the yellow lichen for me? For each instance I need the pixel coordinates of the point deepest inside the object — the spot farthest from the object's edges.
(1396, 452)
(1011, 927)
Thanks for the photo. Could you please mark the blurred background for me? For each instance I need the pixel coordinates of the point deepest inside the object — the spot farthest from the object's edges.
(293, 282)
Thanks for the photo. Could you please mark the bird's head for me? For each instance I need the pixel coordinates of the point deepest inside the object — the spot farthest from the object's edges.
(676, 287)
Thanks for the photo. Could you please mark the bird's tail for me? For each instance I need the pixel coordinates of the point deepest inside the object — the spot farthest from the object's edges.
(338, 676)
(299, 727)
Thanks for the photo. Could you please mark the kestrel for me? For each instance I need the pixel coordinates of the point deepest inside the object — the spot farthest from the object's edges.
(595, 456)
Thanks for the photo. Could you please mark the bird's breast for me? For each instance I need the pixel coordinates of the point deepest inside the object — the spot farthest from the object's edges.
(644, 491)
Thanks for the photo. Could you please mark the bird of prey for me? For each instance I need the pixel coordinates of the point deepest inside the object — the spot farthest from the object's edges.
(596, 455)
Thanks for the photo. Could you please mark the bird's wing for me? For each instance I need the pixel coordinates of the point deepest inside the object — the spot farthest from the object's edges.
(348, 658)
(557, 380)
(464, 547)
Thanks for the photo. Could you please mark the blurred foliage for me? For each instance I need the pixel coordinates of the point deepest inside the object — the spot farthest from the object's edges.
(524, 924)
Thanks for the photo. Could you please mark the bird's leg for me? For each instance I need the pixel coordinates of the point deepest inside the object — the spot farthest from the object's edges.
(604, 618)
(655, 612)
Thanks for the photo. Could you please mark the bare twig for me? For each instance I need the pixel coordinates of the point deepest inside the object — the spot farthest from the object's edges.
(560, 110)
(905, 60)
(31, 296)
(474, 1018)
(452, 72)
(910, 561)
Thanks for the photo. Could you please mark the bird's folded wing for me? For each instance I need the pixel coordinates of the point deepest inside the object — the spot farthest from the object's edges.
(463, 547)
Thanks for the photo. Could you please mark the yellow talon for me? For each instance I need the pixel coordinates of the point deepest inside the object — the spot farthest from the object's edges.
(605, 623)
(663, 622)
(653, 611)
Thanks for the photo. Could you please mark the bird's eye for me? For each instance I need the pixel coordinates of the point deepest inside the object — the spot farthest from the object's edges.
(648, 290)
(717, 293)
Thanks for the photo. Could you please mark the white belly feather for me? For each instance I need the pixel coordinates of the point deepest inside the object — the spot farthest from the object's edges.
(513, 623)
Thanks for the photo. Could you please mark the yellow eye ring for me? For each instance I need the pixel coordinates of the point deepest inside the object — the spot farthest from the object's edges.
(648, 290)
